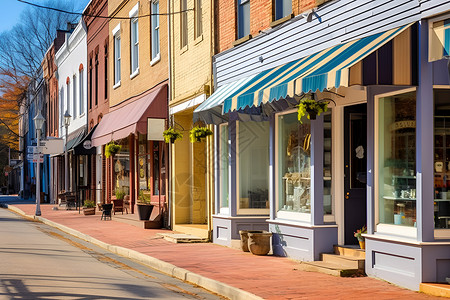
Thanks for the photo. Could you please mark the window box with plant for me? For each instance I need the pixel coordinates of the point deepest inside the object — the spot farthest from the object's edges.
(198, 133)
(89, 207)
(171, 135)
(112, 149)
(144, 206)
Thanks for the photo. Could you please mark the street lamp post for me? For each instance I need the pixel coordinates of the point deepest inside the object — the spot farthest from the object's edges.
(39, 124)
(67, 117)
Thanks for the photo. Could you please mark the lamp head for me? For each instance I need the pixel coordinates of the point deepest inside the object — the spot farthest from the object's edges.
(67, 117)
(39, 121)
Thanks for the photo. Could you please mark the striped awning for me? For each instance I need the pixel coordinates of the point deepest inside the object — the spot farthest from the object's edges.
(323, 70)
(439, 40)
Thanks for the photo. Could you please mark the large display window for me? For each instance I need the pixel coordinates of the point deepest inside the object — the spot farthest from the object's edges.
(293, 166)
(223, 166)
(121, 165)
(396, 159)
(441, 159)
(253, 167)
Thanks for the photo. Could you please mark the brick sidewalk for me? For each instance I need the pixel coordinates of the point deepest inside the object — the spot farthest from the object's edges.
(266, 276)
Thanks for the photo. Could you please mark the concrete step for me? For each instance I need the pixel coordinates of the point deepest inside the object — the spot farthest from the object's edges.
(328, 268)
(352, 251)
(183, 238)
(345, 261)
(436, 289)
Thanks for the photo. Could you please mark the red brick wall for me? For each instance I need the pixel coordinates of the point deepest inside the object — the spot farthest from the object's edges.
(261, 15)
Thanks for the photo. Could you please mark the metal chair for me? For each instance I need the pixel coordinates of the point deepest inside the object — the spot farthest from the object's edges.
(106, 211)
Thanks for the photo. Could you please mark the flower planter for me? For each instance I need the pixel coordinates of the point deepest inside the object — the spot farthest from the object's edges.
(244, 238)
(89, 211)
(144, 211)
(259, 242)
(362, 244)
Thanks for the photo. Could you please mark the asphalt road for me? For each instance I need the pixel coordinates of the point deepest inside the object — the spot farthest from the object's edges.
(41, 262)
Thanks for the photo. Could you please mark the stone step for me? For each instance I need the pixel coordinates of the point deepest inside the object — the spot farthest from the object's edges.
(328, 268)
(183, 238)
(345, 261)
(352, 251)
(436, 289)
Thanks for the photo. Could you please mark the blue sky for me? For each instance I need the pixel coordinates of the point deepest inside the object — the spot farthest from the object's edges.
(11, 9)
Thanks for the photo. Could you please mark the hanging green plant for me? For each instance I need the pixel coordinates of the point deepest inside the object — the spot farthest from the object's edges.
(198, 133)
(112, 149)
(312, 108)
(171, 135)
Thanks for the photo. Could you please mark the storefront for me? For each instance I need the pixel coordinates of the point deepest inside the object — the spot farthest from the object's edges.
(140, 165)
(369, 161)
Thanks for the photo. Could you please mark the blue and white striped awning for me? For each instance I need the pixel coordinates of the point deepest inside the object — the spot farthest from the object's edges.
(326, 69)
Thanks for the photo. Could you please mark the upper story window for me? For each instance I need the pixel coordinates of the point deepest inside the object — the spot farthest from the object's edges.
(81, 82)
(183, 24)
(74, 96)
(134, 24)
(198, 18)
(68, 95)
(96, 79)
(90, 82)
(155, 30)
(283, 8)
(243, 21)
(116, 35)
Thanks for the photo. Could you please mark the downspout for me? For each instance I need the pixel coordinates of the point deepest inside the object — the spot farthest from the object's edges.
(169, 96)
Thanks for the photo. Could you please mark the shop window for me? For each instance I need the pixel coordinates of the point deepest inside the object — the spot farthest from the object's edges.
(253, 166)
(442, 159)
(243, 20)
(283, 8)
(223, 165)
(327, 166)
(396, 159)
(122, 168)
(142, 162)
(294, 165)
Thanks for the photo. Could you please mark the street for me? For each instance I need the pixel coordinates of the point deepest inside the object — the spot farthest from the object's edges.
(40, 262)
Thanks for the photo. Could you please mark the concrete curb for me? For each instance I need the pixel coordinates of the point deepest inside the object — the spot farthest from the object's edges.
(212, 285)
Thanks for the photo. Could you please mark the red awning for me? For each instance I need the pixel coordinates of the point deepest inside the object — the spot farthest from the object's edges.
(131, 117)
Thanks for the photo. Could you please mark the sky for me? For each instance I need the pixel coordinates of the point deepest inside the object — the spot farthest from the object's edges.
(11, 9)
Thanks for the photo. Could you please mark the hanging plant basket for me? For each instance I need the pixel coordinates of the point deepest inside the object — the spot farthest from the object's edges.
(112, 149)
(197, 134)
(312, 108)
(171, 135)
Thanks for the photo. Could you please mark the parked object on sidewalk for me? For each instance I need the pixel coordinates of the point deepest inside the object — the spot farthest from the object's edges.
(259, 242)
(144, 211)
(89, 207)
(107, 208)
(244, 238)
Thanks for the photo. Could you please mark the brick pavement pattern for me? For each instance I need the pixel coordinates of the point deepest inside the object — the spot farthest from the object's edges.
(269, 277)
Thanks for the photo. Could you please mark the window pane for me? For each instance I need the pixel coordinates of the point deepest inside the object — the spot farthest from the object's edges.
(74, 99)
(253, 164)
(198, 18)
(117, 59)
(81, 93)
(244, 19)
(283, 8)
(155, 30)
(224, 166)
(396, 182)
(327, 166)
(442, 159)
(184, 25)
(294, 140)
(134, 45)
(122, 168)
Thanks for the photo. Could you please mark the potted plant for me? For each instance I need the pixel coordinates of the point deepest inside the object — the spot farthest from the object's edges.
(120, 193)
(112, 149)
(312, 108)
(144, 206)
(359, 235)
(171, 135)
(89, 207)
(198, 133)
(259, 242)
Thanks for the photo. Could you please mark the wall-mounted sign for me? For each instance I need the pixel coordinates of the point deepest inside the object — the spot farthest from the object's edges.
(87, 144)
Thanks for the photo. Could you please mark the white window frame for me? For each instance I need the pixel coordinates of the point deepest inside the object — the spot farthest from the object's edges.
(117, 56)
(381, 228)
(286, 215)
(155, 38)
(134, 40)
